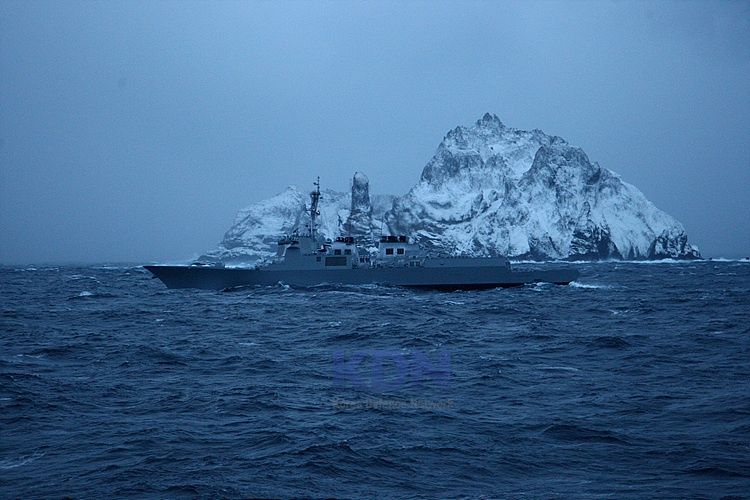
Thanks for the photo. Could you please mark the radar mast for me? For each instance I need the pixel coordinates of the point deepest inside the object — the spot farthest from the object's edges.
(314, 212)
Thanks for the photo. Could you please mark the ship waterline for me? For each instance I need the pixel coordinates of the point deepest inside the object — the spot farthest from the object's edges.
(433, 273)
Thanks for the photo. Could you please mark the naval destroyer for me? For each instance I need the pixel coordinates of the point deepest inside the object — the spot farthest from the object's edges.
(306, 259)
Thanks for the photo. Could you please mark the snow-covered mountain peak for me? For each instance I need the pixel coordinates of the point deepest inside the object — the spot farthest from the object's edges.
(495, 190)
(488, 143)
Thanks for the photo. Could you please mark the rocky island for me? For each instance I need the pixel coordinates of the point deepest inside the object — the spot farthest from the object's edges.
(489, 190)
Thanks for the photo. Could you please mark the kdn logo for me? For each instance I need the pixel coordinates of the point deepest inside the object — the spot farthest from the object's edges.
(390, 370)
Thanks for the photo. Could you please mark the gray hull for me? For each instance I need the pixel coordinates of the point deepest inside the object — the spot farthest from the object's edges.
(444, 274)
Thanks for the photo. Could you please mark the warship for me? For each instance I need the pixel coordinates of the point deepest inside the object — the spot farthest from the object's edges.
(306, 259)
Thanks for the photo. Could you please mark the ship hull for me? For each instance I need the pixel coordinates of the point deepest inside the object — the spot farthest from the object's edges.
(443, 274)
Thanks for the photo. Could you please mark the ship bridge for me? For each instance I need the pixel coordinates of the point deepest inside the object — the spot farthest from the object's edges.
(397, 251)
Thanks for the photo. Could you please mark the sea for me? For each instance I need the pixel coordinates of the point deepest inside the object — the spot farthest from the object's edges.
(631, 382)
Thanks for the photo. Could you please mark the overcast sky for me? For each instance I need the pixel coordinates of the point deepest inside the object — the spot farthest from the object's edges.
(133, 131)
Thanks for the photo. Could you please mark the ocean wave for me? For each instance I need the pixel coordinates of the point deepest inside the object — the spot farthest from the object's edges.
(223, 395)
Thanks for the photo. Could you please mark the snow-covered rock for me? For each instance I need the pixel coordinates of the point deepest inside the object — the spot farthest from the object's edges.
(257, 228)
(488, 190)
(359, 222)
(493, 190)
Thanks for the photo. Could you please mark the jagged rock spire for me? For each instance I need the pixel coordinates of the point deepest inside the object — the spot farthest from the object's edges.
(359, 222)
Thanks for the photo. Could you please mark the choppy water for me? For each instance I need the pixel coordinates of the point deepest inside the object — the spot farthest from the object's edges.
(632, 382)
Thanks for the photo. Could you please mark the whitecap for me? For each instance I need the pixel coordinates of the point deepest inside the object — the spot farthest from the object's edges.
(11, 463)
(660, 261)
(562, 368)
(615, 313)
(575, 284)
(77, 277)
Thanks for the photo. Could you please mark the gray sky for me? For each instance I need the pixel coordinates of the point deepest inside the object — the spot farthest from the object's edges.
(134, 130)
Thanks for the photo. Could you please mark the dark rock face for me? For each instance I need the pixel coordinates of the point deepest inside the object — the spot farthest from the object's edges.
(672, 245)
(592, 242)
